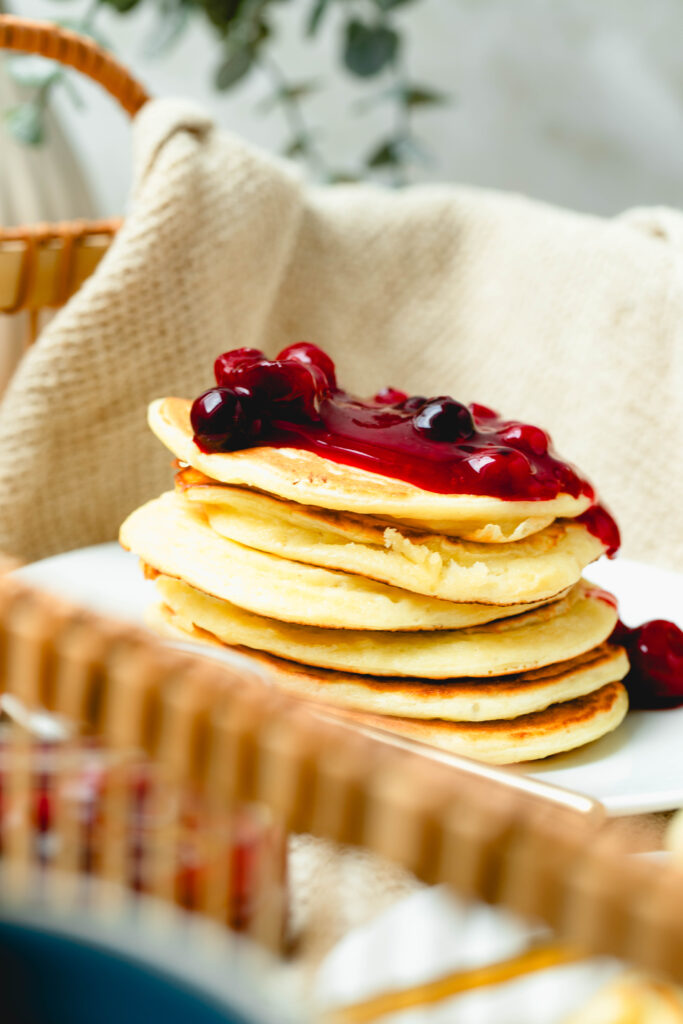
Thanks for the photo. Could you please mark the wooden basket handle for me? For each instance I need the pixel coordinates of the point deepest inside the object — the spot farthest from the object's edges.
(30, 277)
(76, 51)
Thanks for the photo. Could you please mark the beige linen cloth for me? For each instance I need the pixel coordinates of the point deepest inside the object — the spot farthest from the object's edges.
(566, 320)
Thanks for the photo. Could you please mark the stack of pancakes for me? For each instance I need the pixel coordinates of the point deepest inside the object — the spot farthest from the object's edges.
(455, 619)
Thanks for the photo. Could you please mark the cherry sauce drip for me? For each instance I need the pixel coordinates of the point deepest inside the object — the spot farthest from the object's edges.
(600, 523)
(437, 444)
(655, 651)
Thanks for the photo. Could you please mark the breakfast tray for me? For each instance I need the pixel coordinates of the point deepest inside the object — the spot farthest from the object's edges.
(204, 744)
(223, 766)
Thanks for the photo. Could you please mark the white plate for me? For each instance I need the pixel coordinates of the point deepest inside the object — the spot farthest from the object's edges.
(638, 768)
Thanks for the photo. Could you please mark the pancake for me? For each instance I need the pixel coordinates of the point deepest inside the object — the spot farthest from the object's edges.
(174, 537)
(462, 700)
(556, 632)
(200, 487)
(560, 727)
(534, 569)
(308, 478)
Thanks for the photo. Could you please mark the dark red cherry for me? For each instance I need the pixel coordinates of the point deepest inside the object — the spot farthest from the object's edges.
(223, 421)
(527, 437)
(286, 382)
(415, 403)
(390, 396)
(444, 419)
(655, 651)
(433, 443)
(227, 362)
(310, 355)
(503, 468)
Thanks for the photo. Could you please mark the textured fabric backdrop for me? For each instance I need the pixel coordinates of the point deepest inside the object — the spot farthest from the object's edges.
(567, 320)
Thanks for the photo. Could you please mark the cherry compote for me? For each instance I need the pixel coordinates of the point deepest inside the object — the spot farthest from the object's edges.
(438, 444)
(600, 523)
(444, 419)
(655, 651)
(390, 396)
(222, 420)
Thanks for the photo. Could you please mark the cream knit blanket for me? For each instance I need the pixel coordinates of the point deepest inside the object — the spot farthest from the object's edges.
(566, 320)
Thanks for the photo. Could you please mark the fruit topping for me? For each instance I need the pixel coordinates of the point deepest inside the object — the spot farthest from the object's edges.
(444, 419)
(299, 378)
(655, 651)
(415, 403)
(600, 523)
(438, 443)
(223, 421)
(390, 396)
(228, 362)
(496, 464)
(311, 355)
(527, 437)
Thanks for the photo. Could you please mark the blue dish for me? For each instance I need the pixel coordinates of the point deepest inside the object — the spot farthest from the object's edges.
(53, 975)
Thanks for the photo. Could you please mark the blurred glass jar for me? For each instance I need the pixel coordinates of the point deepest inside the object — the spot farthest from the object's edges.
(79, 807)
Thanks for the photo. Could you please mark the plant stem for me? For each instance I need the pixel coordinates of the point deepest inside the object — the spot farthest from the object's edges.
(404, 129)
(42, 95)
(88, 19)
(292, 109)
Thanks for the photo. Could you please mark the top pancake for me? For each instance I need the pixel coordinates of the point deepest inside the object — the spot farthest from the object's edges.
(308, 478)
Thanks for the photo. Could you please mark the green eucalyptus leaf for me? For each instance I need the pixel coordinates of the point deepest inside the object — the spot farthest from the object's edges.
(223, 14)
(26, 124)
(33, 72)
(368, 49)
(235, 67)
(121, 6)
(292, 92)
(387, 154)
(72, 92)
(171, 23)
(343, 178)
(391, 5)
(421, 96)
(296, 146)
(259, 31)
(299, 90)
(315, 18)
(396, 152)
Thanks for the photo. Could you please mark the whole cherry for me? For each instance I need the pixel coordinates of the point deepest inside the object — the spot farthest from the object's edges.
(444, 419)
(527, 437)
(228, 362)
(415, 403)
(503, 468)
(655, 651)
(223, 421)
(310, 355)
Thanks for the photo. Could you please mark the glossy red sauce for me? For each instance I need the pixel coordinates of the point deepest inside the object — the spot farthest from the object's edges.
(602, 595)
(437, 444)
(601, 524)
(382, 439)
(655, 651)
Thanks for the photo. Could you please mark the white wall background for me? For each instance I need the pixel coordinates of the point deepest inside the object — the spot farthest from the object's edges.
(574, 101)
